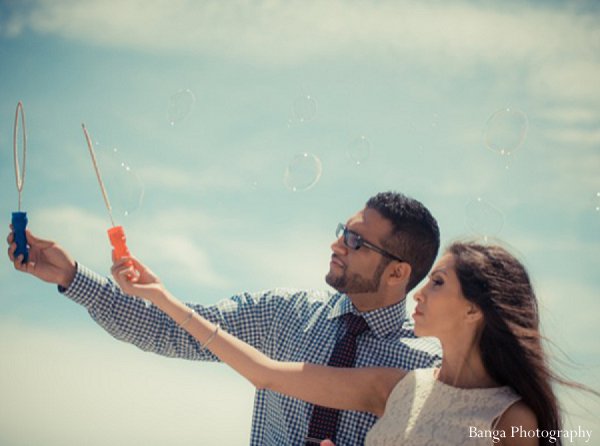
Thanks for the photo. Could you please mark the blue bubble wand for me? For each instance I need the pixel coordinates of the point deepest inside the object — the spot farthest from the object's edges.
(19, 218)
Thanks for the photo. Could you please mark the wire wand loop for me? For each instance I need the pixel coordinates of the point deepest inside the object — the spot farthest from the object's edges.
(97, 170)
(19, 173)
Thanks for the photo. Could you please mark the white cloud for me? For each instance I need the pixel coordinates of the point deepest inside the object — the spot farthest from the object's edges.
(165, 239)
(551, 50)
(180, 258)
(575, 137)
(575, 179)
(250, 163)
(287, 261)
(572, 115)
(77, 230)
(176, 179)
(78, 387)
(564, 305)
(567, 246)
(569, 75)
(289, 31)
(169, 241)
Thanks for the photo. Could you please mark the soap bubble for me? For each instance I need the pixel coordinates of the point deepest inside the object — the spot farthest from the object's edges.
(359, 150)
(506, 130)
(180, 106)
(303, 172)
(124, 187)
(483, 219)
(597, 202)
(305, 108)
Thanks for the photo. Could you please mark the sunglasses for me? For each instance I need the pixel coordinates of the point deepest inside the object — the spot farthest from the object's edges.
(354, 241)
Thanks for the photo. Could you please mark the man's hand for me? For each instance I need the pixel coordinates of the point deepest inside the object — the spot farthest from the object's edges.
(47, 260)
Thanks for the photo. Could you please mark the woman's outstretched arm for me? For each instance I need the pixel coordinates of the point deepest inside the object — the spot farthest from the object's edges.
(361, 389)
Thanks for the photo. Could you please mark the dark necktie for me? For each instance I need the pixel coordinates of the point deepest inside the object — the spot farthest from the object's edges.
(323, 422)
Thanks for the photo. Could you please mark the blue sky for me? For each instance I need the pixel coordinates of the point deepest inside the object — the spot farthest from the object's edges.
(399, 95)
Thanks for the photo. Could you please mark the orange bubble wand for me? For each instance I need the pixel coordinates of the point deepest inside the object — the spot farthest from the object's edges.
(116, 234)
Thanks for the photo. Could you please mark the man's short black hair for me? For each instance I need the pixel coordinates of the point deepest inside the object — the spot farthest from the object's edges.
(415, 234)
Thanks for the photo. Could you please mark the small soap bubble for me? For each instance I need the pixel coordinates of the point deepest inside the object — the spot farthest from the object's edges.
(483, 219)
(180, 106)
(506, 130)
(359, 150)
(597, 202)
(303, 172)
(305, 108)
(124, 187)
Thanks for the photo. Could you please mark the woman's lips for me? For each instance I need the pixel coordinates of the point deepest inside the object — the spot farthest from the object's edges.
(417, 312)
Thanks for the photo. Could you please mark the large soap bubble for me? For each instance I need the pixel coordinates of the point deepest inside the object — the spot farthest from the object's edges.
(483, 219)
(180, 106)
(123, 185)
(303, 172)
(305, 108)
(506, 130)
(359, 150)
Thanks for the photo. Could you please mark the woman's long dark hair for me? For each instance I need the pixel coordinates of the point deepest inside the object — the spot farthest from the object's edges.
(510, 340)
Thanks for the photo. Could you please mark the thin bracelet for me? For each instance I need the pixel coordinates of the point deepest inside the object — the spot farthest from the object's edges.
(188, 318)
(211, 337)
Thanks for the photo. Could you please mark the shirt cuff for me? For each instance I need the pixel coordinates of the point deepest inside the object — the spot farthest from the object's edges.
(86, 286)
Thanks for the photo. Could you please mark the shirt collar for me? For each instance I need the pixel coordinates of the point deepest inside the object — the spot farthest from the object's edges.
(383, 322)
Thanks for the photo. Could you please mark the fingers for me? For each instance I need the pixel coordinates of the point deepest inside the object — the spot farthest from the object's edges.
(123, 270)
(12, 247)
(121, 276)
(122, 265)
(126, 275)
(31, 239)
(25, 267)
(119, 263)
(137, 265)
(130, 262)
(18, 261)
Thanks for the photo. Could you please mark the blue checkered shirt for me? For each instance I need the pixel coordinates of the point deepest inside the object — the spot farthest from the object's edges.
(286, 325)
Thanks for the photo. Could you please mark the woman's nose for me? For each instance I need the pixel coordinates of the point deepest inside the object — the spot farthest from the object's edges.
(418, 296)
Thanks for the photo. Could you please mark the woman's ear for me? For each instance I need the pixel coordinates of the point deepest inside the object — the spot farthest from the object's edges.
(474, 313)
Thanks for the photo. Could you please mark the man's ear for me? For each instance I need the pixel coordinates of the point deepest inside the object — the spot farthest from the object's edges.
(398, 274)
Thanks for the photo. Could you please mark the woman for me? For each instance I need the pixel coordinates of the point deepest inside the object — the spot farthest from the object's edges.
(494, 384)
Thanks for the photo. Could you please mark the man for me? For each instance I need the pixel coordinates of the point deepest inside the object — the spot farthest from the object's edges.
(380, 254)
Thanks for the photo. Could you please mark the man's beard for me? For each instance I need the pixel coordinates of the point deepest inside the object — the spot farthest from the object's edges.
(354, 283)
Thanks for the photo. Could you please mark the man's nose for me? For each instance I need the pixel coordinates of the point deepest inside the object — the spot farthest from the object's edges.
(339, 247)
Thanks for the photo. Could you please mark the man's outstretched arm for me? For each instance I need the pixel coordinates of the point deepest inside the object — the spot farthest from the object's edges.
(127, 318)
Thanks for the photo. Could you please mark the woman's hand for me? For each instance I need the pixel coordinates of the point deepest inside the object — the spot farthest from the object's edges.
(136, 279)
